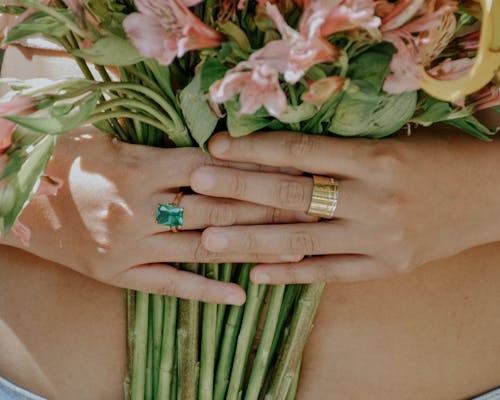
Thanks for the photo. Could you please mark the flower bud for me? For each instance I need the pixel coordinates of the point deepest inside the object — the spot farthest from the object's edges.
(322, 90)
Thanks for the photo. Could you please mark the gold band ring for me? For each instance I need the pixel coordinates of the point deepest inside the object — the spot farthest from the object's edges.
(171, 214)
(324, 197)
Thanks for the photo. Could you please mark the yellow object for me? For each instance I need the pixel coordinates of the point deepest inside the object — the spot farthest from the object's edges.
(485, 67)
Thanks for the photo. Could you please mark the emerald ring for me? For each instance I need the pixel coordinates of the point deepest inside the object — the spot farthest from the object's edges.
(171, 214)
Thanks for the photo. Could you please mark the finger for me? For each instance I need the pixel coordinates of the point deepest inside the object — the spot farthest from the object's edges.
(161, 169)
(279, 191)
(202, 211)
(270, 189)
(332, 268)
(169, 281)
(305, 239)
(186, 247)
(314, 154)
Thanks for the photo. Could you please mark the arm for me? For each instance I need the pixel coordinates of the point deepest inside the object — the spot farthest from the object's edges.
(404, 201)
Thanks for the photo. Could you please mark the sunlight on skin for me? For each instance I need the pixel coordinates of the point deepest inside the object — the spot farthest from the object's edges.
(95, 208)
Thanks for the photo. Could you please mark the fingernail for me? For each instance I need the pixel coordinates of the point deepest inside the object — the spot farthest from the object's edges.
(234, 298)
(291, 257)
(216, 241)
(202, 180)
(261, 277)
(219, 146)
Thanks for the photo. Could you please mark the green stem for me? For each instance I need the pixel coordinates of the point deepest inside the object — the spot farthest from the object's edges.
(130, 303)
(300, 329)
(208, 339)
(57, 16)
(94, 118)
(291, 294)
(140, 335)
(292, 393)
(161, 101)
(134, 105)
(148, 390)
(263, 358)
(229, 338)
(187, 345)
(167, 363)
(255, 299)
(157, 312)
(225, 273)
(162, 76)
(178, 134)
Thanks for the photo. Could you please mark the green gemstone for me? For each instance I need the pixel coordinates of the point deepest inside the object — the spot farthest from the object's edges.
(169, 215)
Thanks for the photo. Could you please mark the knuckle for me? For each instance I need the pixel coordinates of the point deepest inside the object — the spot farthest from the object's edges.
(273, 215)
(386, 157)
(301, 243)
(169, 288)
(221, 215)
(291, 193)
(201, 254)
(300, 145)
(238, 185)
(249, 243)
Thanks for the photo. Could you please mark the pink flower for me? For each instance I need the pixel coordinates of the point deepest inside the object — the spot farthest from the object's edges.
(304, 48)
(450, 70)
(17, 106)
(165, 29)
(487, 97)
(420, 30)
(352, 14)
(257, 86)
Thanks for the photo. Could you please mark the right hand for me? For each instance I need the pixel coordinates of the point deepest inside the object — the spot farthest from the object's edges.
(102, 223)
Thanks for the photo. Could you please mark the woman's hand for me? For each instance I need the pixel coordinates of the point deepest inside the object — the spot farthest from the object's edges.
(403, 201)
(102, 221)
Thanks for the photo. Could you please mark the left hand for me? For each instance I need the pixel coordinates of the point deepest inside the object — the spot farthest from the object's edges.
(403, 201)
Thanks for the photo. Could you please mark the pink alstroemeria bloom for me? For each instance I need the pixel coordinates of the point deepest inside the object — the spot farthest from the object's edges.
(420, 30)
(17, 106)
(304, 48)
(256, 83)
(165, 29)
(487, 97)
(352, 14)
(450, 70)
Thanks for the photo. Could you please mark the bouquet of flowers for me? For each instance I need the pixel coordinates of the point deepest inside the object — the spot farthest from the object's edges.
(172, 72)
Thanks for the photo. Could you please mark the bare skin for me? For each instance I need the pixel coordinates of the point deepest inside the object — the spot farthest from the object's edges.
(431, 333)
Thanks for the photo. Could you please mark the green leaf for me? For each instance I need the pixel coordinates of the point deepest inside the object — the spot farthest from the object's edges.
(110, 50)
(28, 158)
(58, 119)
(433, 111)
(364, 113)
(236, 34)
(243, 124)
(299, 113)
(199, 118)
(372, 66)
(211, 71)
(37, 23)
(472, 126)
